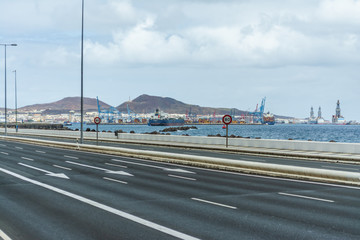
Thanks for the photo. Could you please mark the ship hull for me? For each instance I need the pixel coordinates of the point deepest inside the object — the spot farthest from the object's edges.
(166, 122)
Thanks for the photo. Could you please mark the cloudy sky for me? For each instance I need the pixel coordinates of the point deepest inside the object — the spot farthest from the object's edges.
(214, 53)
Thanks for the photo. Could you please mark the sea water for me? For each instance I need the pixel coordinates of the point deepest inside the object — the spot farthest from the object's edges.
(324, 133)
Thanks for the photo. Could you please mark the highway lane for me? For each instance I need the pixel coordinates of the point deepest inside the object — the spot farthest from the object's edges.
(200, 203)
(332, 165)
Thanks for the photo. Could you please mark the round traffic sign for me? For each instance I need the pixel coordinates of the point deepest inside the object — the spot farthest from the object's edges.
(227, 119)
(97, 120)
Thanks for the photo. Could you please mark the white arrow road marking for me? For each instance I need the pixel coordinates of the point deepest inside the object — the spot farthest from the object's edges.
(103, 169)
(48, 173)
(106, 208)
(163, 168)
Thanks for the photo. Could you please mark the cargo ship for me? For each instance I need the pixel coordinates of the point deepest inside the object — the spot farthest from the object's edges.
(268, 119)
(159, 119)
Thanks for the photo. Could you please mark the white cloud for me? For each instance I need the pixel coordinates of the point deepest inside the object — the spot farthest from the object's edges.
(266, 40)
(141, 44)
(340, 11)
(57, 57)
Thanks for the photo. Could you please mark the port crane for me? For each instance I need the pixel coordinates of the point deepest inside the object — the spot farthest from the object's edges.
(257, 115)
(111, 115)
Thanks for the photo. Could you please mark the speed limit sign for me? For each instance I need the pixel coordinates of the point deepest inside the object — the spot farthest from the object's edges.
(97, 120)
(227, 119)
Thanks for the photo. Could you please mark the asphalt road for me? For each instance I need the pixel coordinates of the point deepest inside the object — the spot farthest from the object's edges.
(331, 165)
(48, 193)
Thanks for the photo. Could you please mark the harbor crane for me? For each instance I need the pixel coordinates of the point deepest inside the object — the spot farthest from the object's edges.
(257, 115)
(111, 115)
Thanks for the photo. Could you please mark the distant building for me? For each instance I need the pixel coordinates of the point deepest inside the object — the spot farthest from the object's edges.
(312, 119)
(319, 119)
(338, 118)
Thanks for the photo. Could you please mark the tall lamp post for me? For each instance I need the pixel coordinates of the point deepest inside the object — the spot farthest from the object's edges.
(5, 45)
(82, 75)
(16, 120)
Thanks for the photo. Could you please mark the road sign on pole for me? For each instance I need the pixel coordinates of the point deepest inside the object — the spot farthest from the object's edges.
(97, 121)
(227, 119)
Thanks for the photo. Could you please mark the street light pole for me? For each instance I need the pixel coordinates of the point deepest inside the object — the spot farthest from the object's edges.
(82, 75)
(16, 120)
(5, 45)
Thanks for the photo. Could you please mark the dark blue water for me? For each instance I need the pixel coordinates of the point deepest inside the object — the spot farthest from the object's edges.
(325, 133)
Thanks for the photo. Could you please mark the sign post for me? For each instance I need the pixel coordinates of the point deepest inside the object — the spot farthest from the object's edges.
(227, 119)
(97, 121)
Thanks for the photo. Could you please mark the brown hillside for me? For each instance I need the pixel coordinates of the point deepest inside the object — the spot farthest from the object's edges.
(148, 104)
(65, 105)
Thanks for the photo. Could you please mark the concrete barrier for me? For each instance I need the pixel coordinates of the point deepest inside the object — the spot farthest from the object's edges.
(324, 175)
(293, 145)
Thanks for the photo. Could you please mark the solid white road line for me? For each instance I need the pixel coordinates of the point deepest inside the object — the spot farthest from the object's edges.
(5, 153)
(125, 215)
(114, 180)
(38, 151)
(71, 157)
(62, 167)
(306, 197)
(214, 203)
(186, 178)
(29, 159)
(19, 148)
(4, 236)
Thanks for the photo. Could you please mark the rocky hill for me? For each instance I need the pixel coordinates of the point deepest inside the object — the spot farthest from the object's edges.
(64, 106)
(148, 104)
(142, 104)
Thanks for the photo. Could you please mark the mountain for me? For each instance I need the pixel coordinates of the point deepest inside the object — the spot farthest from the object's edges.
(142, 104)
(65, 105)
(148, 104)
